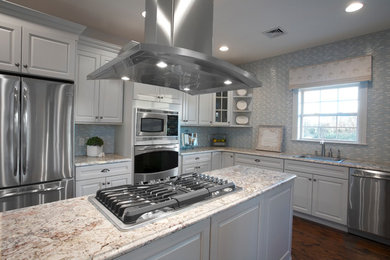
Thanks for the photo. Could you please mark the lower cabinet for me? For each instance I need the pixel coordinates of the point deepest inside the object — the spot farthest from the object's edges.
(216, 160)
(196, 163)
(318, 194)
(227, 159)
(260, 228)
(191, 243)
(91, 178)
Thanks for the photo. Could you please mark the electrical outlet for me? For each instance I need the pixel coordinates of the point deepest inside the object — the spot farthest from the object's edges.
(81, 141)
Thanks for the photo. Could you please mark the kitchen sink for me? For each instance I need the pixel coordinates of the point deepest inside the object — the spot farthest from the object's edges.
(319, 158)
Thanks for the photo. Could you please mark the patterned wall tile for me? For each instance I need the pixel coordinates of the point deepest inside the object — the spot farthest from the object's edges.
(273, 102)
(106, 132)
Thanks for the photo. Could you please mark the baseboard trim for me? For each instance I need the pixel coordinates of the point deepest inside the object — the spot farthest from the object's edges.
(321, 221)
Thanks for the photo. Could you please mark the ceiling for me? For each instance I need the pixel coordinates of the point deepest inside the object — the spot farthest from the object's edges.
(238, 24)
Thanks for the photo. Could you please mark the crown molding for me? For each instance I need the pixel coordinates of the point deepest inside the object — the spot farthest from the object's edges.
(93, 43)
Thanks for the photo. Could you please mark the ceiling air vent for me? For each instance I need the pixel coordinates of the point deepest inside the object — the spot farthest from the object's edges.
(274, 32)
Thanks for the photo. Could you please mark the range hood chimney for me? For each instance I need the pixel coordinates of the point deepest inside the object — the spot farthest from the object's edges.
(177, 52)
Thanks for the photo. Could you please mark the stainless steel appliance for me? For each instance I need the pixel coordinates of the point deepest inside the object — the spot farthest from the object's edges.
(369, 204)
(36, 137)
(156, 126)
(155, 162)
(178, 39)
(128, 205)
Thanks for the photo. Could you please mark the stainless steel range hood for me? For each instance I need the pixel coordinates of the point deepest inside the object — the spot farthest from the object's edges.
(177, 52)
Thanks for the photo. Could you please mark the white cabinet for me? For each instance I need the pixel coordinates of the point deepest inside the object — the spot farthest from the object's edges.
(330, 198)
(216, 160)
(156, 94)
(205, 109)
(227, 159)
(91, 178)
(34, 49)
(96, 101)
(189, 109)
(191, 243)
(196, 163)
(259, 161)
(222, 107)
(317, 192)
(260, 228)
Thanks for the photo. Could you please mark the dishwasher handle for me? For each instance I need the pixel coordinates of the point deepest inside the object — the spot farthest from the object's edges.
(371, 174)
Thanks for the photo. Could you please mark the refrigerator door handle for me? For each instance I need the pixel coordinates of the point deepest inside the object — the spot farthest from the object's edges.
(13, 194)
(16, 130)
(24, 139)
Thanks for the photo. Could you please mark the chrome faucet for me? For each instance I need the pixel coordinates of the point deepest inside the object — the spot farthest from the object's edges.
(322, 142)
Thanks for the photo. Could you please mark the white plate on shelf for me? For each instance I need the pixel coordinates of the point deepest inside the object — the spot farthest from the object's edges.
(241, 92)
(242, 105)
(242, 120)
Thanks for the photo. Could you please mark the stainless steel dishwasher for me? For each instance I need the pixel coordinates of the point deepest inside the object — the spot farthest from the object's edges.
(369, 204)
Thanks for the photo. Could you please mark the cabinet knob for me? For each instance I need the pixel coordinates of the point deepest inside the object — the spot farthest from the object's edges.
(17, 64)
(108, 183)
(103, 184)
(257, 160)
(101, 117)
(96, 117)
(25, 66)
(314, 180)
(309, 179)
(228, 122)
(211, 122)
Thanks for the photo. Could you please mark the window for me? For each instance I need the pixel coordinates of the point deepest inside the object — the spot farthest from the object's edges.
(334, 113)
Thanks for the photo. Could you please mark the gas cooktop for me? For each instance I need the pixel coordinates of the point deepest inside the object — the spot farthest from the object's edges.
(130, 205)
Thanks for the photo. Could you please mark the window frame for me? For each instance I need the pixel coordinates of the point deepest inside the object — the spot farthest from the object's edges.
(361, 114)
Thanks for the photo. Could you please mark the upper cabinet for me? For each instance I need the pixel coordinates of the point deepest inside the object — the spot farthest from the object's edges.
(97, 101)
(156, 94)
(189, 109)
(35, 49)
(205, 109)
(222, 104)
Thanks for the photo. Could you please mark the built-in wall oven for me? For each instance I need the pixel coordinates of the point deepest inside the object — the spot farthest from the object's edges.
(156, 149)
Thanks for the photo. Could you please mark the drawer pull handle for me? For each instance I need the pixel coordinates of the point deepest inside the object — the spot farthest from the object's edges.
(257, 160)
(105, 170)
(197, 158)
(197, 167)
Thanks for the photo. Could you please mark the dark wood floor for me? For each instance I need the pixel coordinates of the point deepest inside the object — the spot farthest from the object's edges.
(315, 241)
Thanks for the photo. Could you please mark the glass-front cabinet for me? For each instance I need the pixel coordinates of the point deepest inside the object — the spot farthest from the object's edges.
(222, 108)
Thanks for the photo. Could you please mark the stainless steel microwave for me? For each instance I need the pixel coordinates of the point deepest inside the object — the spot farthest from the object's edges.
(155, 126)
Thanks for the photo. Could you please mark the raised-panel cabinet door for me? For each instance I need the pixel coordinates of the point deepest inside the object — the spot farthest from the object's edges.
(235, 233)
(330, 198)
(227, 159)
(216, 160)
(48, 54)
(118, 180)
(10, 47)
(192, 103)
(170, 95)
(88, 187)
(302, 193)
(110, 98)
(206, 109)
(87, 91)
(146, 92)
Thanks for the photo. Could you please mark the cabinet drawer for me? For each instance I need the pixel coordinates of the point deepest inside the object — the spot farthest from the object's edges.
(102, 170)
(316, 168)
(195, 158)
(260, 161)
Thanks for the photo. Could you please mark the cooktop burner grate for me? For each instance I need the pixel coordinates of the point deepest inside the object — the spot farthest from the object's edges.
(129, 202)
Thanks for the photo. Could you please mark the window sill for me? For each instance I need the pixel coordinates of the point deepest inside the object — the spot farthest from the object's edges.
(328, 142)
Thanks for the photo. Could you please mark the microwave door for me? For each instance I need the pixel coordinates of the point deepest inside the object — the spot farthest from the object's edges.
(151, 124)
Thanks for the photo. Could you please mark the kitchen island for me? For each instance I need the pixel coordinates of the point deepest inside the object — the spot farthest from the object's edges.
(75, 229)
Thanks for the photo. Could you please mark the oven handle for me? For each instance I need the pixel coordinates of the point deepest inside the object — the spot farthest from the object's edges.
(370, 174)
(158, 147)
(13, 194)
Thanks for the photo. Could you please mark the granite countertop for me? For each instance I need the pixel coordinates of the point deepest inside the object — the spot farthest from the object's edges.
(346, 163)
(108, 158)
(74, 229)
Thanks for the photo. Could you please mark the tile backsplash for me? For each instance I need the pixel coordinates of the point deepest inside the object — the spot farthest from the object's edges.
(106, 132)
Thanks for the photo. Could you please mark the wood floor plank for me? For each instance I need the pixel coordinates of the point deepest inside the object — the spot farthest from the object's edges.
(315, 241)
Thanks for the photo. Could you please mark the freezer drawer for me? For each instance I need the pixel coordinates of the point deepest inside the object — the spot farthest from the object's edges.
(31, 195)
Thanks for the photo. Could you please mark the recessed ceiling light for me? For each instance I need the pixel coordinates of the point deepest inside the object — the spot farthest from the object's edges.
(125, 78)
(224, 48)
(228, 82)
(353, 7)
(186, 89)
(162, 64)
(143, 14)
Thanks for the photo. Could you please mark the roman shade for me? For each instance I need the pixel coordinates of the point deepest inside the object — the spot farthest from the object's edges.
(350, 70)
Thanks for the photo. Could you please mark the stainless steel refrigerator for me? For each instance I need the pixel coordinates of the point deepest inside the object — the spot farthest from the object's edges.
(36, 137)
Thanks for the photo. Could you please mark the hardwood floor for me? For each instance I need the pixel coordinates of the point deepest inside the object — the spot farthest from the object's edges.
(315, 241)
